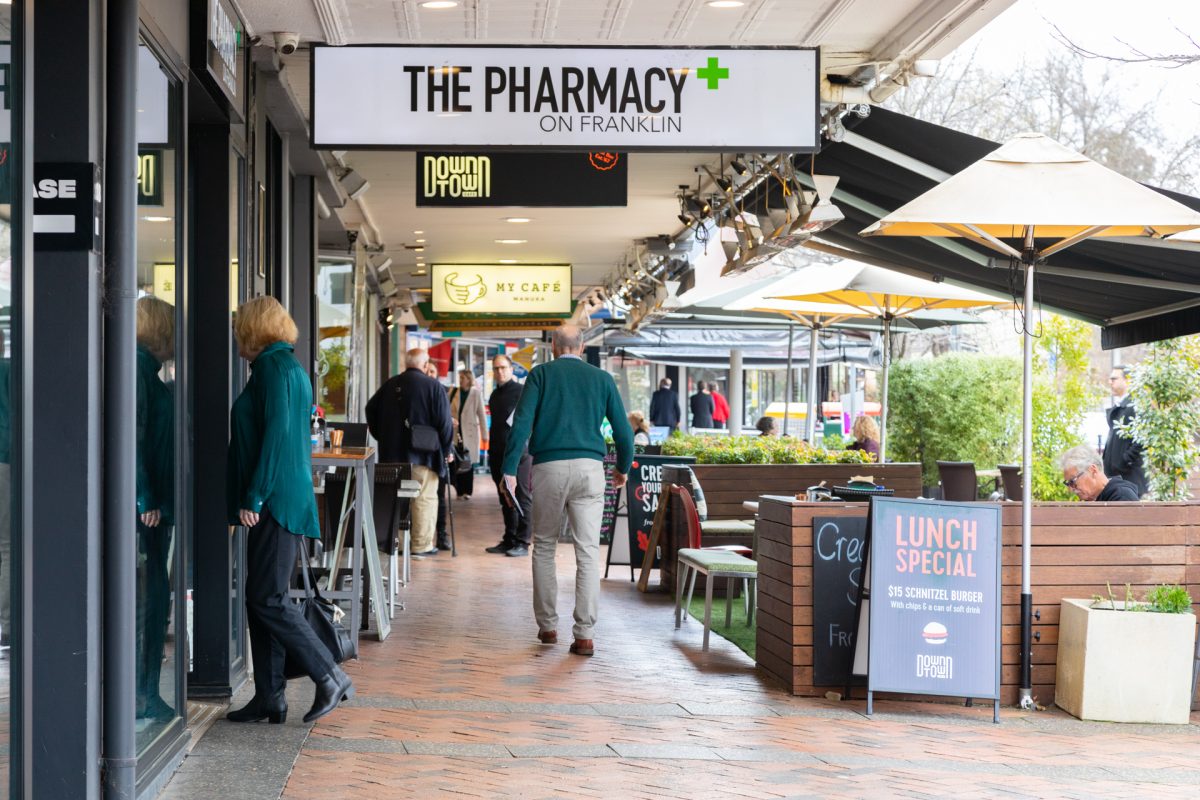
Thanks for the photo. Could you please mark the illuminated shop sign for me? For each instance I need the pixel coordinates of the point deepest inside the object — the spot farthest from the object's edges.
(224, 50)
(501, 178)
(149, 178)
(582, 98)
(501, 289)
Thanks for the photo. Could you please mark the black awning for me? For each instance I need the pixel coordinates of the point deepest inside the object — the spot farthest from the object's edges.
(872, 184)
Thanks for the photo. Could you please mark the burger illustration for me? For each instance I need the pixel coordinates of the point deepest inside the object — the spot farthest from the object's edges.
(935, 633)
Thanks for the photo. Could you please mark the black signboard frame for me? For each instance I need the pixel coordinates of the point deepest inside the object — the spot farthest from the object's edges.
(641, 519)
(874, 614)
(533, 179)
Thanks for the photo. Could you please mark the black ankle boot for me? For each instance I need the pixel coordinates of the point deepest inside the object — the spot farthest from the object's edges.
(331, 690)
(274, 711)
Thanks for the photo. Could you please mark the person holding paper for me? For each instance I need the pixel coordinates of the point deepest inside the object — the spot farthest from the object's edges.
(516, 510)
(559, 415)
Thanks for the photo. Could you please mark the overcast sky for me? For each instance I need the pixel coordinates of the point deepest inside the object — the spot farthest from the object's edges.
(1102, 25)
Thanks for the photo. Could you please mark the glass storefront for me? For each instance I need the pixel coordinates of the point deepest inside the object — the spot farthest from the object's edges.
(161, 644)
(335, 309)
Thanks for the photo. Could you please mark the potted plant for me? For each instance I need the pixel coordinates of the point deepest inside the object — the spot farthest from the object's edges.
(1125, 661)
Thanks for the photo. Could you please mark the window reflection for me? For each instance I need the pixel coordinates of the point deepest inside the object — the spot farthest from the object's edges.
(158, 630)
(8, 80)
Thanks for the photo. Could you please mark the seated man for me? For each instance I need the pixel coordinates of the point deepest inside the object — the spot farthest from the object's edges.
(1083, 474)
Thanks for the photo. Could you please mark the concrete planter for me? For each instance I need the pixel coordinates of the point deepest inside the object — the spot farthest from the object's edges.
(1120, 666)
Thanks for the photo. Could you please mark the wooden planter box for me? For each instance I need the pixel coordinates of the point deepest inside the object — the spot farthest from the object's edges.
(1124, 666)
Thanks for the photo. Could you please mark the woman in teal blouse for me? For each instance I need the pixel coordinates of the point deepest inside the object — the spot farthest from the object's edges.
(270, 492)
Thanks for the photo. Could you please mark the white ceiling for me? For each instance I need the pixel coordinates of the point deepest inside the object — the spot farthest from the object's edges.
(850, 32)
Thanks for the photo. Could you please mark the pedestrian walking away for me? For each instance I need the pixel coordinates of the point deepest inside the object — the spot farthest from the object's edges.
(410, 418)
(559, 414)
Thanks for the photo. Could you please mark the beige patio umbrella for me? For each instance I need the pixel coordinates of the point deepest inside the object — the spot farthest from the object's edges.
(852, 288)
(1033, 188)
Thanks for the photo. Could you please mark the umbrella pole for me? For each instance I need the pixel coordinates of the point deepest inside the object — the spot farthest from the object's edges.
(883, 390)
(1026, 688)
(810, 426)
(787, 397)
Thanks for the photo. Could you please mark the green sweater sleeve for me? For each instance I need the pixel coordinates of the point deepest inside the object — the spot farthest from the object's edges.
(273, 393)
(622, 433)
(522, 425)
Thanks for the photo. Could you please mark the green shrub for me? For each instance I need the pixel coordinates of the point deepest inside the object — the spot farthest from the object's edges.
(1165, 389)
(957, 407)
(1169, 599)
(1062, 394)
(757, 450)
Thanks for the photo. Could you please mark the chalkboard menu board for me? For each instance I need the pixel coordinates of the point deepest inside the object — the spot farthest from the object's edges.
(935, 610)
(642, 492)
(837, 570)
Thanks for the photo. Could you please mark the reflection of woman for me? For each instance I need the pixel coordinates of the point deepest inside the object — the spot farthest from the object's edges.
(155, 479)
(866, 436)
(466, 412)
(270, 492)
(641, 428)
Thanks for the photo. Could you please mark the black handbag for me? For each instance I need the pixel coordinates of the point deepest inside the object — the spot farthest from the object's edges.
(324, 617)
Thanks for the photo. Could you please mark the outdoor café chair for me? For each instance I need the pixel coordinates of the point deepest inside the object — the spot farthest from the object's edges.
(958, 481)
(1010, 480)
(715, 562)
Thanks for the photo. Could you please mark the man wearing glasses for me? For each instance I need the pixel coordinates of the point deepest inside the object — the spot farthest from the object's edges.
(502, 404)
(1084, 475)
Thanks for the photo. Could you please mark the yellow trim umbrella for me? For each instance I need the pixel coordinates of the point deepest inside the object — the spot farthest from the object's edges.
(1027, 189)
(852, 288)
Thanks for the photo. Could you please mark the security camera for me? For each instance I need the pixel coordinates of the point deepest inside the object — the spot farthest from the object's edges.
(286, 42)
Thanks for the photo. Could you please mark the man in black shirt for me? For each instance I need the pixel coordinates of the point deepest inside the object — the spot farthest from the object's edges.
(702, 406)
(664, 406)
(1122, 455)
(1084, 475)
(502, 404)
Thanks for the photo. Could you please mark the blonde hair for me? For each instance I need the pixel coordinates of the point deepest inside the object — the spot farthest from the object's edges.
(156, 327)
(637, 421)
(864, 428)
(261, 322)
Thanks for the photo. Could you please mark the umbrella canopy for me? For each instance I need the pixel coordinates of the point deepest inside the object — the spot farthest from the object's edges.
(1034, 180)
(852, 288)
(1028, 189)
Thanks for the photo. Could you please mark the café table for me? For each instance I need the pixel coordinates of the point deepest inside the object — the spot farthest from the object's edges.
(361, 462)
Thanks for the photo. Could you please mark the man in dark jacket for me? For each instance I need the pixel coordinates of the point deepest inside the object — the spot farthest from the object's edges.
(702, 407)
(664, 406)
(1122, 455)
(1083, 476)
(407, 402)
(501, 405)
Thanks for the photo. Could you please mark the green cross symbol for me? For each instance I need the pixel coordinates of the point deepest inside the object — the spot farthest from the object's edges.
(712, 73)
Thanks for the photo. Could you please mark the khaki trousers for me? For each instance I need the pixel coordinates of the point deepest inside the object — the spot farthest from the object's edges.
(424, 509)
(574, 488)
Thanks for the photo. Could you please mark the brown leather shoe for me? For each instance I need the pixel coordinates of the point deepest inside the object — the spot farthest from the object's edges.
(548, 637)
(583, 647)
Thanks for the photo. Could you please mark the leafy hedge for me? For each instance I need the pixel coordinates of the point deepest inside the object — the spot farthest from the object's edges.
(957, 407)
(757, 450)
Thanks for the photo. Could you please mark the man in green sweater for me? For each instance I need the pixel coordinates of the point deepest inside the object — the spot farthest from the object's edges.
(559, 414)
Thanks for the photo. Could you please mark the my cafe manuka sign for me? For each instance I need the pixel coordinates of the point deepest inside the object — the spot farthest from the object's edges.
(576, 98)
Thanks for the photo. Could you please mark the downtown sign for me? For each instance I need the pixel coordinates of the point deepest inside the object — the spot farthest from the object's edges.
(509, 178)
(566, 98)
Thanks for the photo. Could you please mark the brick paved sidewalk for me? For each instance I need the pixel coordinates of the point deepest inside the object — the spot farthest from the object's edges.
(462, 701)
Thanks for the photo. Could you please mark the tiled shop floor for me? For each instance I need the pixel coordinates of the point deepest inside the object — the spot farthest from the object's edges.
(462, 701)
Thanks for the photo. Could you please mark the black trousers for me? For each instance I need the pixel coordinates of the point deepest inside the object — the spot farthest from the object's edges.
(277, 628)
(516, 526)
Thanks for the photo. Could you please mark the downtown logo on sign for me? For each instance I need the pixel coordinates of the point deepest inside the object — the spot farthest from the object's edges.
(501, 289)
(584, 98)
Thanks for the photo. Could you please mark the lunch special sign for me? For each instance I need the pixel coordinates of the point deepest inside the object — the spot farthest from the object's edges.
(569, 98)
(935, 598)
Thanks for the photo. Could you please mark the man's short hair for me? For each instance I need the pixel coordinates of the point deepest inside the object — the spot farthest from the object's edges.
(1124, 370)
(507, 360)
(665, 383)
(1079, 458)
(418, 357)
(568, 338)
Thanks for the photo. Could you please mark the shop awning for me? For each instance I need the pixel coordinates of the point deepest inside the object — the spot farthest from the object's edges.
(1136, 292)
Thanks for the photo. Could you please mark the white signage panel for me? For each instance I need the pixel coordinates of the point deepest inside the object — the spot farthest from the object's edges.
(587, 98)
(501, 289)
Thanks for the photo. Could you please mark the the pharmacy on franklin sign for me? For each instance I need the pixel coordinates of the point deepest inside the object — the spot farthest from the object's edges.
(581, 98)
(501, 289)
